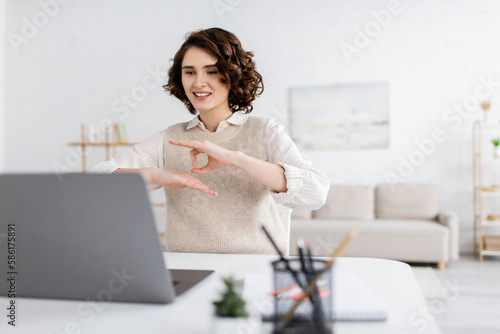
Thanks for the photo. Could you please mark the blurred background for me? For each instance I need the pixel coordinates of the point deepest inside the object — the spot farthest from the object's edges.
(94, 62)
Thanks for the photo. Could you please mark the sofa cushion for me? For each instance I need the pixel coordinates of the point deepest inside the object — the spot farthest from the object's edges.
(348, 201)
(412, 240)
(401, 200)
(301, 214)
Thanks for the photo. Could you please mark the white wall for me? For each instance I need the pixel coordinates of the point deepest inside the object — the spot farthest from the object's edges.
(78, 63)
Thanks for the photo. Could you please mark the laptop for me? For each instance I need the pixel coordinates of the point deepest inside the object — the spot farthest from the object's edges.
(85, 237)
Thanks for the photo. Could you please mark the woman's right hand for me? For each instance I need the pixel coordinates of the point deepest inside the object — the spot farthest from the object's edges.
(170, 180)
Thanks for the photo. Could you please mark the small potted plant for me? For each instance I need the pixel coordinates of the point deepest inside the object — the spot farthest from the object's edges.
(496, 142)
(230, 311)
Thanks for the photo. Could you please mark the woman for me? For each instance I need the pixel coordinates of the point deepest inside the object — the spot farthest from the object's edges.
(223, 172)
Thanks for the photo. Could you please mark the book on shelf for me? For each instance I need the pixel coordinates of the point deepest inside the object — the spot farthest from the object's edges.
(119, 133)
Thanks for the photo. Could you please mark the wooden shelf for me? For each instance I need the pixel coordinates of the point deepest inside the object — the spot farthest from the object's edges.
(108, 144)
(481, 190)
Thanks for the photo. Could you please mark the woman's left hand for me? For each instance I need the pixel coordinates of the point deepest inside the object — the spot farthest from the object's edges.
(218, 157)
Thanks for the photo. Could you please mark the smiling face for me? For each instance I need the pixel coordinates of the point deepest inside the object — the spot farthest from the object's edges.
(202, 82)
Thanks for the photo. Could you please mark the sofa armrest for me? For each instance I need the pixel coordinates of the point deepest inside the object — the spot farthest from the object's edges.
(450, 220)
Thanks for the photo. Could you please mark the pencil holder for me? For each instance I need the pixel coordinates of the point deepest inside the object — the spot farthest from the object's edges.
(313, 314)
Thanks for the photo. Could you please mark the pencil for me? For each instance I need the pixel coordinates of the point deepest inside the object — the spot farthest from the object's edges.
(307, 292)
(282, 258)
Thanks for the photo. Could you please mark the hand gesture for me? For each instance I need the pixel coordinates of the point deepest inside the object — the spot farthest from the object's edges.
(218, 157)
(172, 180)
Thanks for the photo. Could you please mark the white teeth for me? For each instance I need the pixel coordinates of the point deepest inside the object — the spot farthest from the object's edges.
(201, 95)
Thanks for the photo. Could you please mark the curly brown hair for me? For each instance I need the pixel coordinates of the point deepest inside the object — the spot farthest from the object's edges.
(233, 62)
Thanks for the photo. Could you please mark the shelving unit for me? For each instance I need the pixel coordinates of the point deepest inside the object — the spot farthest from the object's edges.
(481, 190)
(108, 144)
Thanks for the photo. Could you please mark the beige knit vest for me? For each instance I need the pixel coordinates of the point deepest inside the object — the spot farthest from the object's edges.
(230, 222)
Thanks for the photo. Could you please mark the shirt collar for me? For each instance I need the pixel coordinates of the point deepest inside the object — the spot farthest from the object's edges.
(235, 119)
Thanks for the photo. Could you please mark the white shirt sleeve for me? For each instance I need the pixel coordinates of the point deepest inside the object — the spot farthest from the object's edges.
(307, 187)
(144, 155)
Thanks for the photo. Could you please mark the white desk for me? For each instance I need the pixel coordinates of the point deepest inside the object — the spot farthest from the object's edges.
(393, 282)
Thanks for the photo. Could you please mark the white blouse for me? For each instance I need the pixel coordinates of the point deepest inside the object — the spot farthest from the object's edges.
(307, 187)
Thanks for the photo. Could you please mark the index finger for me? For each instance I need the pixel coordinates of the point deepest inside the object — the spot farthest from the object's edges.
(190, 144)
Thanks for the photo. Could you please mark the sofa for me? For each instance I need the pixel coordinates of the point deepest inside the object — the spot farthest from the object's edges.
(396, 221)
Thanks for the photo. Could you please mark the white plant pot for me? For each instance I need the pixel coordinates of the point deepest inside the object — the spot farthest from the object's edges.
(227, 325)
